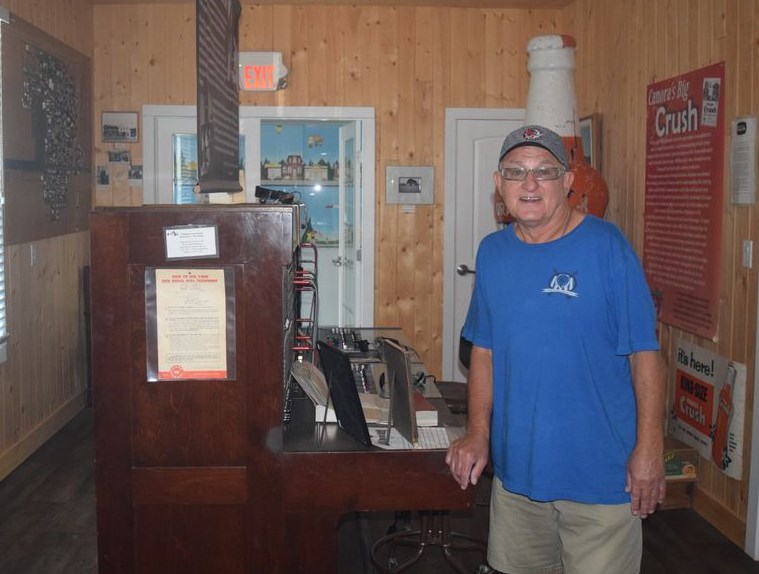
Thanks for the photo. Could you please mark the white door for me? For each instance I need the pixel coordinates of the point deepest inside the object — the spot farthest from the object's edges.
(349, 254)
(473, 139)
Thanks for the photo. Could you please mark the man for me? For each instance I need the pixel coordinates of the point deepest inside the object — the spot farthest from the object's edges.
(566, 386)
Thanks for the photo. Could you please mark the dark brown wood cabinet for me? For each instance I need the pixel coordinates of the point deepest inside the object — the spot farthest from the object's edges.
(203, 476)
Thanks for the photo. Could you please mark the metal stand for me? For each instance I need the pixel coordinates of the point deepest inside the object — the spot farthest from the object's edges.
(435, 530)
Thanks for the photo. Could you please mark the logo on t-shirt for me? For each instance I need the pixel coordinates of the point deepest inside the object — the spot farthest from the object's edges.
(563, 283)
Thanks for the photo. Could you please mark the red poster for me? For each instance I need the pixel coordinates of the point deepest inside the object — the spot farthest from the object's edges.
(685, 149)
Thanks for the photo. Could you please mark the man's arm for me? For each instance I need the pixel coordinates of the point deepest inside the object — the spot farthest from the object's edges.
(645, 469)
(468, 456)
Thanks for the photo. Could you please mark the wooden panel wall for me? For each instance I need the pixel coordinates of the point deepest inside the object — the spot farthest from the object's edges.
(43, 382)
(622, 47)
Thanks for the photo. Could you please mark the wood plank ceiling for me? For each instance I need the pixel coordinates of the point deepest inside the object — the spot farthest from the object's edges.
(526, 4)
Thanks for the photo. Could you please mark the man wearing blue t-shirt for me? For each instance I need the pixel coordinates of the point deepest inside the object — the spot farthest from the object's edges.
(566, 384)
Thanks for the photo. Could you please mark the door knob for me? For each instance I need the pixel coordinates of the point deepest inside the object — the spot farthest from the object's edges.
(463, 269)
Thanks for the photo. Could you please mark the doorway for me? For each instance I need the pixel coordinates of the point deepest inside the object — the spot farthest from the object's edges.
(751, 545)
(473, 138)
(315, 153)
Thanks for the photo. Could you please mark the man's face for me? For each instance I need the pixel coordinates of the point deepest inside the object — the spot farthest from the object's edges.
(531, 202)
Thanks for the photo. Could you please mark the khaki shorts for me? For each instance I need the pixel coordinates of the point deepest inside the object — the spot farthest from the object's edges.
(561, 537)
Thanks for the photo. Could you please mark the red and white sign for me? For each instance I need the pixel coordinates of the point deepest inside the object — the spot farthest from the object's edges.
(685, 148)
(262, 72)
(708, 406)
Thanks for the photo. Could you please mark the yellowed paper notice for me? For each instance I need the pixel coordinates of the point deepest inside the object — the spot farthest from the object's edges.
(191, 324)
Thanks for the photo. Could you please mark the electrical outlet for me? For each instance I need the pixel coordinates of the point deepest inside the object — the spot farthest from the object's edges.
(748, 252)
(32, 255)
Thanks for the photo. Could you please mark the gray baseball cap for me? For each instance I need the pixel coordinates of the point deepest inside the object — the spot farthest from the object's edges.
(536, 136)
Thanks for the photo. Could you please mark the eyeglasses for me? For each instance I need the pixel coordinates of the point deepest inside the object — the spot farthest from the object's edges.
(539, 173)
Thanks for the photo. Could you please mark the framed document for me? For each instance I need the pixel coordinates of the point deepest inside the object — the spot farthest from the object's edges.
(190, 323)
(191, 242)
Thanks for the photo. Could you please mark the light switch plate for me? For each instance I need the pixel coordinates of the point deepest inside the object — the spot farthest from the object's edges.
(748, 249)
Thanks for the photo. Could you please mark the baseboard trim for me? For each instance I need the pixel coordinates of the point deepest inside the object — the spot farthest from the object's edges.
(720, 517)
(18, 453)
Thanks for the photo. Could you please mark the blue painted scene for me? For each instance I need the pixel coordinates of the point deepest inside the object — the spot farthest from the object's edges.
(302, 158)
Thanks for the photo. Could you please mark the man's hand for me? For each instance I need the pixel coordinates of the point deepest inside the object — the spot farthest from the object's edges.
(645, 467)
(467, 458)
(645, 482)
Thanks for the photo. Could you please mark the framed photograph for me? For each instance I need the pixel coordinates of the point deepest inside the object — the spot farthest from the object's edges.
(120, 127)
(409, 184)
(590, 132)
(135, 174)
(119, 156)
(103, 176)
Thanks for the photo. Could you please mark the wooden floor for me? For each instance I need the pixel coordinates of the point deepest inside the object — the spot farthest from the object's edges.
(47, 507)
(47, 523)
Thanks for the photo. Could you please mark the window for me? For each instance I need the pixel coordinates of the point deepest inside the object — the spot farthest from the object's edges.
(185, 167)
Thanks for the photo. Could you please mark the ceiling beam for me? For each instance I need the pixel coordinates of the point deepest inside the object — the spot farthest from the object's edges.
(522, 4)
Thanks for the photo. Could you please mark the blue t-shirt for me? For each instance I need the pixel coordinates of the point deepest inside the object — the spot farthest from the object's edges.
(561, 319)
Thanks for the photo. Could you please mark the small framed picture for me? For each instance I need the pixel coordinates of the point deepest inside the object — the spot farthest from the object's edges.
(103, 176)
(409, 184)
(120, 127)
(135, 173)
(119, 156)
(590, 132)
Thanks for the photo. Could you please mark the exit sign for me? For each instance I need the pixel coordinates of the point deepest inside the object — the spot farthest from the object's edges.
(262, 72)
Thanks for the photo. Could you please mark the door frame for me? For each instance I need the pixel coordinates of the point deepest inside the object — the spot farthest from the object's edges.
(156, 192)
(349, 252)
(453, 119)
(751, 541)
